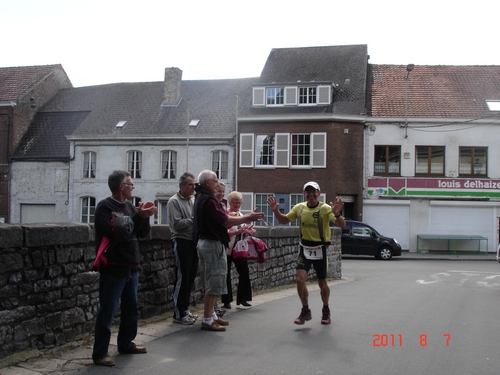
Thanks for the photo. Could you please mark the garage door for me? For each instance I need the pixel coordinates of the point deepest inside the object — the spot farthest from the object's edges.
(38, 213)
(463, 220)
(390, 220)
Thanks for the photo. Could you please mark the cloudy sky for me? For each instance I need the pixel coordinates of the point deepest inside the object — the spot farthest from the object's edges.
(109, 41)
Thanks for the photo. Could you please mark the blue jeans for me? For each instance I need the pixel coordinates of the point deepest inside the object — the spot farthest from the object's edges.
(112, 289)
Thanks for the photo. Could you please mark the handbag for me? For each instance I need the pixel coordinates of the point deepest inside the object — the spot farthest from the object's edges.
(245, 249)
(251, 249)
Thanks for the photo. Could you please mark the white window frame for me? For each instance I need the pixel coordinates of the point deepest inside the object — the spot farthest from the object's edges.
(86, 204)
(308, 97)
(220, 164)
(275, 96)
(89, 161)
(308, 165)
(282, 150)
(264, 207)
(258, 148)
(291, 96)
(134, 163)
(169, 164)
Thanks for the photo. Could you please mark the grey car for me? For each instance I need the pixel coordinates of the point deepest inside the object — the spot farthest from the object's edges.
(361, 239)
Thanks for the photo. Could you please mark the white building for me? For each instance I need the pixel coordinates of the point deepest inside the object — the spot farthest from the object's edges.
(431, 151)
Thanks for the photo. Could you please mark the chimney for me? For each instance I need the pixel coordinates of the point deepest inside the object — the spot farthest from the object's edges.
(172, 87)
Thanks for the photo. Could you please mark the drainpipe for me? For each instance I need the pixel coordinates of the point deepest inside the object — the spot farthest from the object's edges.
(7, 158)
(236, 149)
(409, 68)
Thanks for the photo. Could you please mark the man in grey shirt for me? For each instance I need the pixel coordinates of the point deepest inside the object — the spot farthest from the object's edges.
(180, 218)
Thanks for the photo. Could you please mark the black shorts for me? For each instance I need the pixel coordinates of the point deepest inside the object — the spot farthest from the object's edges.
(320, 265)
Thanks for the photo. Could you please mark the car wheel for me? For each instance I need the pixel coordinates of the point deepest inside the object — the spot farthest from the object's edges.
(384, 253)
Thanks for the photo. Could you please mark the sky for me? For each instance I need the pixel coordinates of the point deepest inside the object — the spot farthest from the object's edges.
(110, 41)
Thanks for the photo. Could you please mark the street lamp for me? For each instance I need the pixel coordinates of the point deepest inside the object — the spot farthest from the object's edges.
(409, 68)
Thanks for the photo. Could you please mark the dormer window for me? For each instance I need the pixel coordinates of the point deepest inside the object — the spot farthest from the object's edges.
(493, 105)
(307, 95)
(290, 95)
(275, 95)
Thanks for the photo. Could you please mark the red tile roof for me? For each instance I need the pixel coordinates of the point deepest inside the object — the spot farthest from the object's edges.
(434, 91)
(17, 81)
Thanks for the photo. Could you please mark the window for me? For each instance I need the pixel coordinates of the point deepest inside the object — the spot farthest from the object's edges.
(89, 163)
(275, 95)
(387, 160)
(493, 105)
(135, 164)
(429, 160)
(299, 198)
(292, 95)
(262, 206)
(220, 164)
(361, 231)
(169, 164)
(135, 201)
(301, 150)
(88, 209)
(473, 161)
(295, 199)
(264, 149)
(280, 150)
(307, 95)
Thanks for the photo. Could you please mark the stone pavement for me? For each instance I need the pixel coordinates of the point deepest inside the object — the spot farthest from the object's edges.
(69, 358)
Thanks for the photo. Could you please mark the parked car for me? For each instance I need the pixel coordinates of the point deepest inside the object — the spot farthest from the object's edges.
(361, 239)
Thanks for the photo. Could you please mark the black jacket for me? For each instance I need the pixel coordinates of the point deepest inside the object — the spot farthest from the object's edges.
(121, 223)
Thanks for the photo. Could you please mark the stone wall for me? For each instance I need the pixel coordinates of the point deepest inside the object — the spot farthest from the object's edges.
(49, 295)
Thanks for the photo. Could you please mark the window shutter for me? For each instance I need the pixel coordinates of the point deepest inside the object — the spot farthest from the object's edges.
(246, 150)
(318, 150)
(290, 95)
(259, 96)
(247, 205)
(324, 94)
(281, 153)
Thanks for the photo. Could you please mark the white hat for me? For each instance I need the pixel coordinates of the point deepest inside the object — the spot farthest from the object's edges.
(313, 184)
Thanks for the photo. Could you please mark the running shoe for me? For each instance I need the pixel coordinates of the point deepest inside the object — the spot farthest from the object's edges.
(325, 319)
(186, 320)
(303, 317)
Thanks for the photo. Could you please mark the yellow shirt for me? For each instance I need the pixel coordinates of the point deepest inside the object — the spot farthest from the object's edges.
(308, 221)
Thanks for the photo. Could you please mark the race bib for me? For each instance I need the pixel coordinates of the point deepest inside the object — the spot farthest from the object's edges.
(313, 252)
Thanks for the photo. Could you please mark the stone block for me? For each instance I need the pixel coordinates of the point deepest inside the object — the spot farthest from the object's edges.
(11, 236)
(38, 235)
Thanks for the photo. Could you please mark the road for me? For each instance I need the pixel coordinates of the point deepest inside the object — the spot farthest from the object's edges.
(389, 317)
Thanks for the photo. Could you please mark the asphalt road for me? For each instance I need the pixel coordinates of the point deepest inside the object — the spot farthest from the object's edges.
(389, 317)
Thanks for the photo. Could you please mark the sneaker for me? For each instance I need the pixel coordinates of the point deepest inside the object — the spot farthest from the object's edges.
(186, 320)
(325, 319)
(303, 317)
(104, 361)
(194, 316)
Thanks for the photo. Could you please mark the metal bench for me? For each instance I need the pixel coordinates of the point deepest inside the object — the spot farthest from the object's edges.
(450, 243)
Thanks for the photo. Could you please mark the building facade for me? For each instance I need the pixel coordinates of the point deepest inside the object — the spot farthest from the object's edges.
(431, 154)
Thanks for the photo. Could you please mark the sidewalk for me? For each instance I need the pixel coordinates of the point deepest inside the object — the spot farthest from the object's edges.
(71, 357)
(446, 256)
